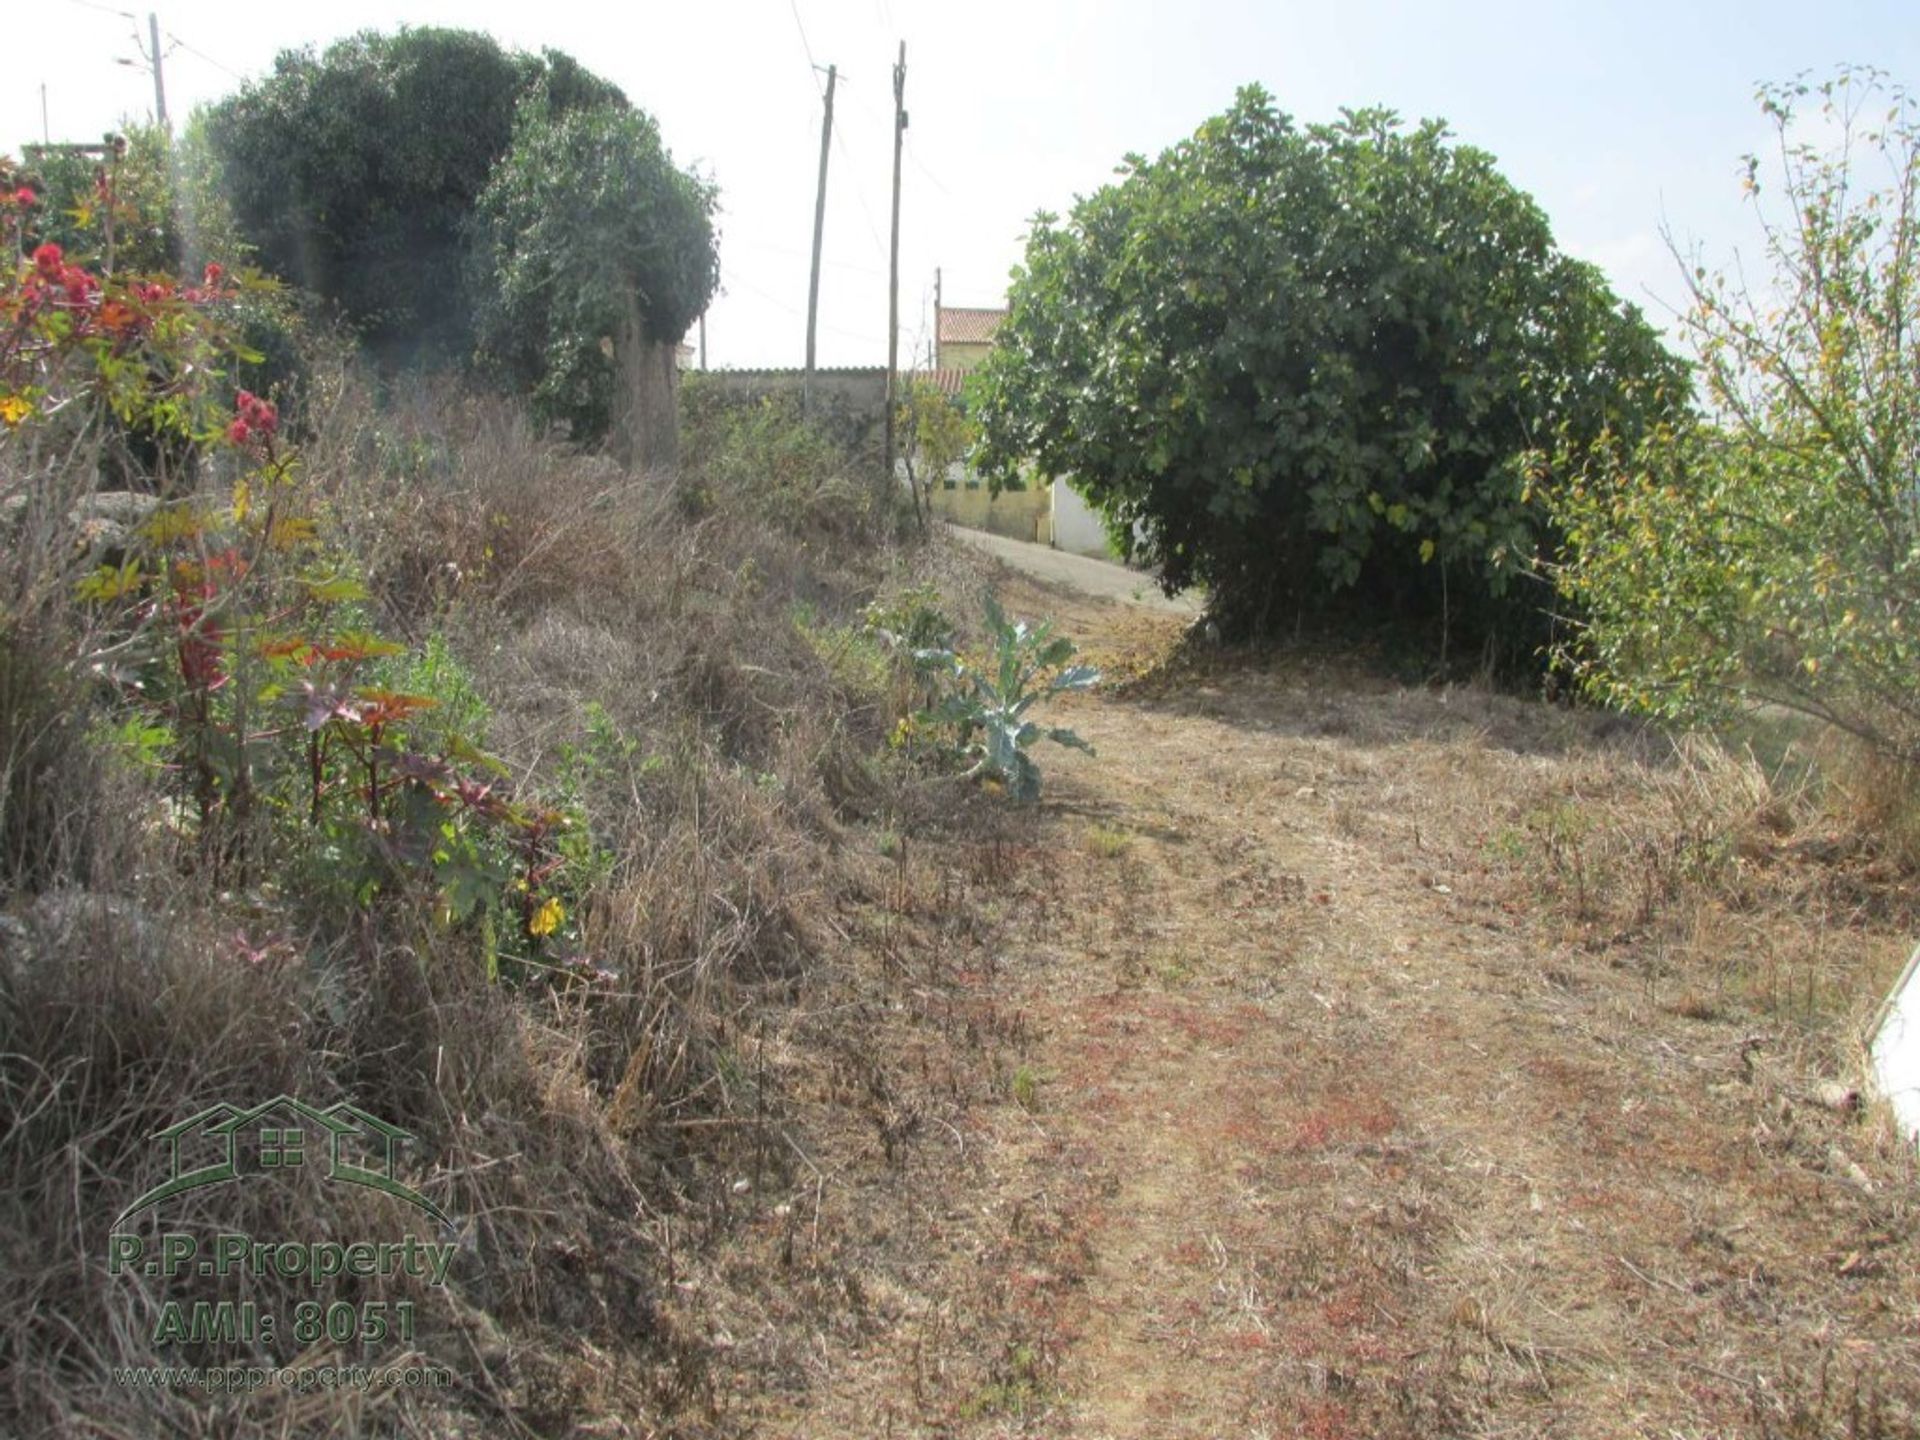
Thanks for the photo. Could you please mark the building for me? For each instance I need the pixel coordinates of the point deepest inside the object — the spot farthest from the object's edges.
(963, 337)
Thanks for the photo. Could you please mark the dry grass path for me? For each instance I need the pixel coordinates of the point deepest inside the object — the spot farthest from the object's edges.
(1324, 1126)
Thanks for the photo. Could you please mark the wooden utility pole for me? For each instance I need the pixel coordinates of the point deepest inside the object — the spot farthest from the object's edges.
(159, 82)
(819, 229)
(893, 258)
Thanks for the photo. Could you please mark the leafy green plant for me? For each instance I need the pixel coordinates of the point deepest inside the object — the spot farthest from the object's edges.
(1768, 551)
(934, 433)
(911, 619)
(984, 704)
(596, 255)
(227, 644)
(1289, 362)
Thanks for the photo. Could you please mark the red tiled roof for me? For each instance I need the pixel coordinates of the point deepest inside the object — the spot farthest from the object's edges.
(968, 327)
(948, 380)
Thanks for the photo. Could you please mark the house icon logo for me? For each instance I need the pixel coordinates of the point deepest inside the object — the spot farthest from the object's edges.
(225, 1143)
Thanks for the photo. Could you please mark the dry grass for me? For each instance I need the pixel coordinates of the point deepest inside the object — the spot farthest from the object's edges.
(1330, 1056)
(600, 1150)
(1434, 1062)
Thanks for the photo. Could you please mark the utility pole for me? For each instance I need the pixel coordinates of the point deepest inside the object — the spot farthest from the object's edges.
(936, 315)
(159, 82)
(893, 258)
(703, 340)
(819, 228)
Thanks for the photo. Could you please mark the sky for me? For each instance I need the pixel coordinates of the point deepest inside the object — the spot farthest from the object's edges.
(1625, 120)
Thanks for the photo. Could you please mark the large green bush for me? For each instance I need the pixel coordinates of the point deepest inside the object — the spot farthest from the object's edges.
(356, 172)
(1769, 549)
(584, 217)
(1310, 360)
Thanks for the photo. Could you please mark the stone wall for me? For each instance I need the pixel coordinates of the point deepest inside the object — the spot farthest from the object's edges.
(851, 404)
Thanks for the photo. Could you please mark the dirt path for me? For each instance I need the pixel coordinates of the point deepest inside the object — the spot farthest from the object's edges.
(1322, 1127)
(1084, 574)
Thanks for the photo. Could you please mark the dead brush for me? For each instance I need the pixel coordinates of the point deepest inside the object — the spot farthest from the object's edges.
(57, 787)
(114, 1033)
(453, 499)
(1872, 802)
(1626, 845)
(570, 1127)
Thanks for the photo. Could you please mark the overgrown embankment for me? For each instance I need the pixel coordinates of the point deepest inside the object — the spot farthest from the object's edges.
(410, 761)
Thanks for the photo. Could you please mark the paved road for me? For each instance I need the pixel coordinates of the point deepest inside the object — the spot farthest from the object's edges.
(1101, 578)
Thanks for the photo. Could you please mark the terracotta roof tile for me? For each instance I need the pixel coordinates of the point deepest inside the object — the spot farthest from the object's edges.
(969, 327)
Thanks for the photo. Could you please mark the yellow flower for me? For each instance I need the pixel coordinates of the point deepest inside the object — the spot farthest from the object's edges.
(547, 918)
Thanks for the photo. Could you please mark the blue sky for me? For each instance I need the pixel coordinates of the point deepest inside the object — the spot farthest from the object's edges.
(1617, 117)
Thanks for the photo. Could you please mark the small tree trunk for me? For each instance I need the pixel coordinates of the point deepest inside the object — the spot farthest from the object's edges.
(646, 425)
(920, 514)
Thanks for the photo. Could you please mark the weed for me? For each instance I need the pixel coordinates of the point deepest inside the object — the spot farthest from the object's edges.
(1016, 1390)
(1025, 1088)
(1104, 842)
(984, 704)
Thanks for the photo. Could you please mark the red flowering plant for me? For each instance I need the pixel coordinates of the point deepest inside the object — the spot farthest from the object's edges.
(289, 743)
(232, 639)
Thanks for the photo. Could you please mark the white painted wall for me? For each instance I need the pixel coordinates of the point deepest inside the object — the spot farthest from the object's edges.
(1075, 526)
(1896, 1050)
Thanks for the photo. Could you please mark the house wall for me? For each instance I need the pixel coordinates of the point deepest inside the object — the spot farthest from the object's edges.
(959, 355)
(1017, 514)
(1075, 526)
(861, 390)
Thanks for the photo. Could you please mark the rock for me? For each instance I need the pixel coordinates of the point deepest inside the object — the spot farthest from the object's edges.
(79, 924)
(107, 522)
(1835, 1096)
(103, 524)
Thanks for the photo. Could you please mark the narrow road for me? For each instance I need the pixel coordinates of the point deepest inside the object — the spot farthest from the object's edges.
(1102, 579)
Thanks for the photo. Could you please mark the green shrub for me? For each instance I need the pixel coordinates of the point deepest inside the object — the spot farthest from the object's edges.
(769, 459)
(585, 216)
(1769, 550)
(356, 173)
(1303, 366)
(981, 705)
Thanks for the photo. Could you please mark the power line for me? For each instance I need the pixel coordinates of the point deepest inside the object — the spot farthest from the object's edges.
(921, 165)
(104, 9)
(813, 65)
(873, 231)
(788, 252)
(731, 279)
(197, 51)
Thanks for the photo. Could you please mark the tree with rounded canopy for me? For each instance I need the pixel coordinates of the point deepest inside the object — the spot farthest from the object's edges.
(596, 255)
(1307, 366)
(356, 172)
